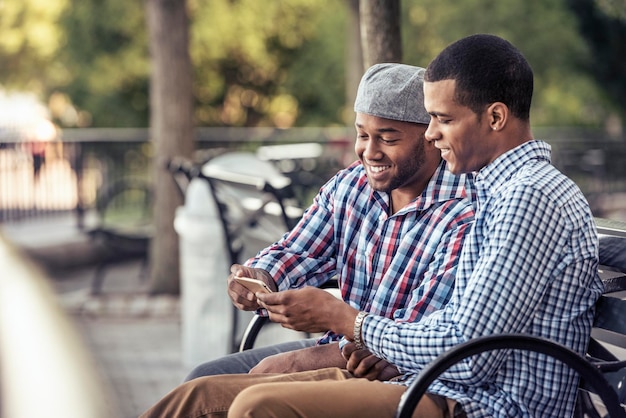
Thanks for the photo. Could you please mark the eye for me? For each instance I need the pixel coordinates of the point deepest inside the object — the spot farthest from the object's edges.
(388, 141)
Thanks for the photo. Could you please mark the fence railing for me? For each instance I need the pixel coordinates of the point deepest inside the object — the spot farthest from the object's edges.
(37, 179)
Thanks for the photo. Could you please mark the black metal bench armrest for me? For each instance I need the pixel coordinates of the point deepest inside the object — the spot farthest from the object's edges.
(587, 371)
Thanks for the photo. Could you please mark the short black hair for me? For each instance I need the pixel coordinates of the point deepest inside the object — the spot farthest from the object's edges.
(486, 69)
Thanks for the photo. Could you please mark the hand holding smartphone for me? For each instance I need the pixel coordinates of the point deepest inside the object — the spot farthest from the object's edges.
(253, 285)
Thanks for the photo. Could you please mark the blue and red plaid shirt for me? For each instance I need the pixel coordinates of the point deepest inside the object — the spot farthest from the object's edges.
(400, 266)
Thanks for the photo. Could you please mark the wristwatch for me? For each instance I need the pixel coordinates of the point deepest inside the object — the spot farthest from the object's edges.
(358, 322)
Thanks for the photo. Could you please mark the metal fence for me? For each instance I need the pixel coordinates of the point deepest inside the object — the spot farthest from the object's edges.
(39, 179)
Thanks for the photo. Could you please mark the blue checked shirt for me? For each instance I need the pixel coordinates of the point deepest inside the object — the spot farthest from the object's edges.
(529, 265)
(400, 266)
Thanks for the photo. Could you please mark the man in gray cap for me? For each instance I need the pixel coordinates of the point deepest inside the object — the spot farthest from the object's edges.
(389, 227)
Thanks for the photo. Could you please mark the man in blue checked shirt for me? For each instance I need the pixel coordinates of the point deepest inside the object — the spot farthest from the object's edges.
(390, 227)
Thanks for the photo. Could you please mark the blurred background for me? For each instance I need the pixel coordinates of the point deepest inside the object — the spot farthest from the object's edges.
(104, 102)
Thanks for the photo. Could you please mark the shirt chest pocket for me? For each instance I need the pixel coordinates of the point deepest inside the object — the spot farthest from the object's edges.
(366, 253)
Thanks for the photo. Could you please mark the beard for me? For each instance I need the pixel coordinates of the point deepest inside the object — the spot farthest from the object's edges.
(407, 168)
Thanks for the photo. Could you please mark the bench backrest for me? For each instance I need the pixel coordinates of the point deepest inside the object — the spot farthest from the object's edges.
(607, 346)
(611, 307)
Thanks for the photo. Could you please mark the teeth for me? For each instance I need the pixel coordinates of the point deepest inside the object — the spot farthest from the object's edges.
(378, 169)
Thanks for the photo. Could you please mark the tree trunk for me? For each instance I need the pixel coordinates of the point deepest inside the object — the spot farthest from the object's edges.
(380, 31)
(354, 58)
(171, 129)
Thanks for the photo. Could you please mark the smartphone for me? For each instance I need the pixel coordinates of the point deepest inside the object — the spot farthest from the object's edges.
(253, 285)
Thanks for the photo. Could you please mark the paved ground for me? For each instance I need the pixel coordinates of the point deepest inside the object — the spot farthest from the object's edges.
(134, 338)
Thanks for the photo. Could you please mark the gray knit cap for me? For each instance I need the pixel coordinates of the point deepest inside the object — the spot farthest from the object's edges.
(393, 91)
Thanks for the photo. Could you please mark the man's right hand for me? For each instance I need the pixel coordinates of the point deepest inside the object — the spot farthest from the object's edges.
(241, 297)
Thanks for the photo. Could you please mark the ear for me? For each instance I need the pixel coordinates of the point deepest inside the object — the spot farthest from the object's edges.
(497, 115)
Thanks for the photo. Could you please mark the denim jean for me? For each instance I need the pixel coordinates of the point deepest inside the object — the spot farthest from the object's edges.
(243, 361)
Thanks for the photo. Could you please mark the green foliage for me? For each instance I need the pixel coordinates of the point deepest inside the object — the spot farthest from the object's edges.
(252, 60)
(29, 39)
(106, 58)
(316, 76)
(544, 30)
(281, 63)
(603, 25)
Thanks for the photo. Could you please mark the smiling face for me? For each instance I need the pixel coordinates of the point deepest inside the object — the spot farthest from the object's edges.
(395, 154)
(464, 138)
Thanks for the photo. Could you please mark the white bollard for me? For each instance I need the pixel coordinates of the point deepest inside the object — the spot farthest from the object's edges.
(206, 310)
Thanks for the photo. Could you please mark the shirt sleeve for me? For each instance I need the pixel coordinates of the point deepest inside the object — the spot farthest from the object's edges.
(306, 255)
(521, 252)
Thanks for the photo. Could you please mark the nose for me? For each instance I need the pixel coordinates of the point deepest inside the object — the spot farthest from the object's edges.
(432, 134)
(370, 150)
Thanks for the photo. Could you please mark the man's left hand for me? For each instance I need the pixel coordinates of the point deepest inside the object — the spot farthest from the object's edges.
(309, 309)
(362, 363)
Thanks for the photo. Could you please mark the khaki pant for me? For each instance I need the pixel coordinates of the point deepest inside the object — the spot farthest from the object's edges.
(321, 393)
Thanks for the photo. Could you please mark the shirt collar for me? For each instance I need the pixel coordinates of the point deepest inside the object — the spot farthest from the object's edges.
(506, 165)
(443, 186)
